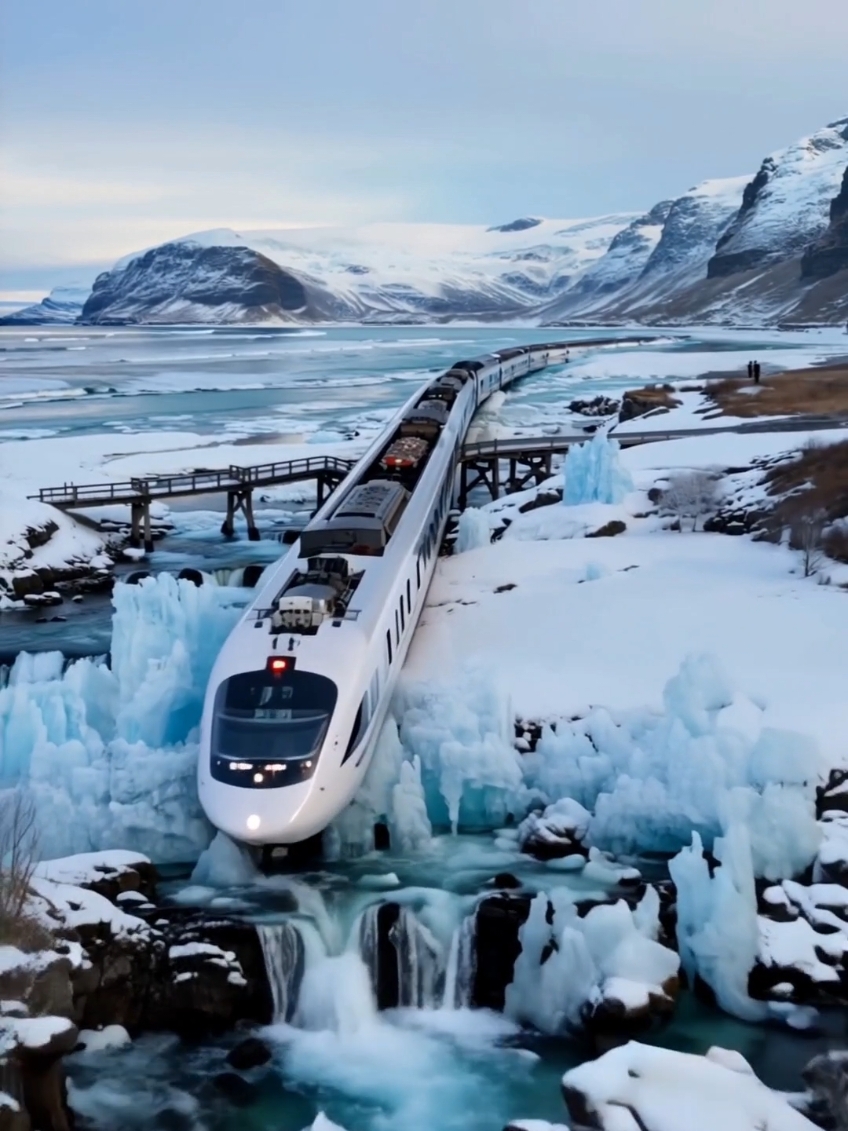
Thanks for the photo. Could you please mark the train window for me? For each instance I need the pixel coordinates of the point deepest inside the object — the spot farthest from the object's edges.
(418, 572)
(397, 628)
(360, 725)
(402, 618)
(408, 597)
(389, 645)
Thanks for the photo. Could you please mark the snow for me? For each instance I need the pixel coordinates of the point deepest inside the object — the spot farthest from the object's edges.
(101, 1040)
(70, 543)
(593, 473)
(474, 530)
(638, 1086)
(88, 867)
(36, 1032)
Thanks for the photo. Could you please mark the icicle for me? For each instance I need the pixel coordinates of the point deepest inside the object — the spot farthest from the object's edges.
(283, 951)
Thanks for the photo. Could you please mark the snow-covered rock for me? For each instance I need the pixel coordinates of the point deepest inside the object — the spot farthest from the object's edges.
(640, 1088)
(558, 831)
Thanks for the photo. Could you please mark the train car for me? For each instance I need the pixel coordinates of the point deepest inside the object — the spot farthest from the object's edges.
(301, 687)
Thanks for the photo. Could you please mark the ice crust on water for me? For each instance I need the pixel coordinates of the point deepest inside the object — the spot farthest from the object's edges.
(593, 473)
(109, 754)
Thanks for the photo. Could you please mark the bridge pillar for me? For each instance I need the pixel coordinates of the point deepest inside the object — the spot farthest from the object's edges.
(148, 533)
(247, 506)
(135, 525)
(228, 526)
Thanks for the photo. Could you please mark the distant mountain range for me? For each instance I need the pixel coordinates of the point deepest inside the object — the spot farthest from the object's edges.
(771, 249)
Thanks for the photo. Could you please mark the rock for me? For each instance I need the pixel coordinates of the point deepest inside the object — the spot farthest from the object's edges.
(238, 1090)
(654, 399)
(506, 881)
(251, 575)
(25, 583)
(557, 832)
(621, 1014)
(249, 1053)
(597, 406)
(541, 499)
(499, 918)
(833, 795)
(826, 1077)
(192, 575)
(609, 529)
(829, 253)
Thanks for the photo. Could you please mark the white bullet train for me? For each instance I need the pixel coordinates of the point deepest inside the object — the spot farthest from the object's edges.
(300, 689)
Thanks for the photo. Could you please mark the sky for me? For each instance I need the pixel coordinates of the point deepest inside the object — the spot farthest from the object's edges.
(126, 123)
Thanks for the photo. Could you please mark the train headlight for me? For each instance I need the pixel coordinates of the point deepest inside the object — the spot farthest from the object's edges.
(253, 822)
(259, 778)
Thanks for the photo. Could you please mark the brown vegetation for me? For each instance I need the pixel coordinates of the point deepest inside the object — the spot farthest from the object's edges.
(823, 389)
(638, 402)
(813, 486)
(18, 842)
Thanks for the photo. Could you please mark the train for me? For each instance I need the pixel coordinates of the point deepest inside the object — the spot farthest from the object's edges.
(301, 687)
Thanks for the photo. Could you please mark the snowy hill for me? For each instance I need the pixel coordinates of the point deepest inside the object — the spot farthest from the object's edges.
(62, 306)
(378, 271)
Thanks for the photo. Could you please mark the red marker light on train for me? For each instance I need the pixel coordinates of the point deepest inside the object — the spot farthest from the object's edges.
(279, 665)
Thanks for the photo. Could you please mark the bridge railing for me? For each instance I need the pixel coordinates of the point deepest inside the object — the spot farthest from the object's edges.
(308, 465)
(80, 492)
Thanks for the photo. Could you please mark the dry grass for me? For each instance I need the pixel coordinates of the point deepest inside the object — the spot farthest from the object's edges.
(657, 396)
(813, 484)
(820, 390)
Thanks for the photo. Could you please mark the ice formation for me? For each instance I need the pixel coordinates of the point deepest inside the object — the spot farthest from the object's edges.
(717, 930)
(474, 531)
(108, 753)
(648, 778)
(593, 473)
(610, 954)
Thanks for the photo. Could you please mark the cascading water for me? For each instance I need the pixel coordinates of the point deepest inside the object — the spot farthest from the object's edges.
(405, 960)
(459, 975)
(283, 950)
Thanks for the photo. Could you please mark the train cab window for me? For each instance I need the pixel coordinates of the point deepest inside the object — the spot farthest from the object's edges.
(262, 717)
(389, 645)
(360, 725)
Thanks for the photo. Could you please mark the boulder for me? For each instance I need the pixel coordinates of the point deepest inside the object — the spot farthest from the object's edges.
(499, 918)
(557, 832)
(249, 1053)
(826, 1077)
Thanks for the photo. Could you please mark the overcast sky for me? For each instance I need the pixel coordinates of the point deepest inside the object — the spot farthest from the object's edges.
(127, 122)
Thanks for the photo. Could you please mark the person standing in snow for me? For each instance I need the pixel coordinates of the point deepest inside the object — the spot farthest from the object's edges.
(750, 370)
(756, 373)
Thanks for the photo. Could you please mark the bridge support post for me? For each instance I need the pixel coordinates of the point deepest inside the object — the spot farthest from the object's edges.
(247, 506)
(148, 533)
(228, 526)
(135, 525)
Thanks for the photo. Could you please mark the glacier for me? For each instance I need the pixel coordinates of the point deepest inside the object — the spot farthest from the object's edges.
(593, 473)
(108, 751)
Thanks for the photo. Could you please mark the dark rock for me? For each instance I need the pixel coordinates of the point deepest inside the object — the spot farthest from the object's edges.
(505, 588)
(505, 881)
(541, 499)
(833, 795)
(499, 918)
(829, 253)
(237, 1090)
(25, 584)
(609, 529)
(826, 1077)
(249, 1053)
(612, 1018)
(137, 576)
(251, 575)
(192, 575)
(597, 406)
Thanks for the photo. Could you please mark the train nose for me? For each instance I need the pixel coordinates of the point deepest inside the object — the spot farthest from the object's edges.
(266, 816)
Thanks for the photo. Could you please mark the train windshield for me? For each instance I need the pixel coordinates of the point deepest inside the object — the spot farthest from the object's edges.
(262, 717)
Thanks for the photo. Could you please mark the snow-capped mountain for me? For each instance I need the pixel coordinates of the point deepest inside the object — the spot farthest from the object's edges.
(378, 271)
(787, 205)
(764, 249)
(63, 306)
(657, 255)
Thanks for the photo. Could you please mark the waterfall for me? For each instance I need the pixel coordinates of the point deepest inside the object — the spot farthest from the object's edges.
(283, 950)
(336, 995)
(459, 976)
(405, 960)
